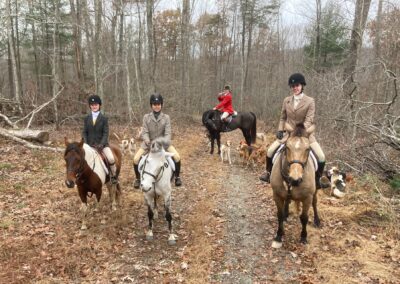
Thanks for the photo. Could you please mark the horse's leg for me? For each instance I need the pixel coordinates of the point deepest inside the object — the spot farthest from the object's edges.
(286, 212)
(84, 207)
(155, 209)
(304, 219)
(247, 136)
(212, 145)
(150, 215)
(219, 143)
(277, 243)
(112, 190)
(168, 217)
(317, 221)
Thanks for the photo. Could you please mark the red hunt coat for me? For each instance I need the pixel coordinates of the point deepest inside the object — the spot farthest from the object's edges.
(225, 104)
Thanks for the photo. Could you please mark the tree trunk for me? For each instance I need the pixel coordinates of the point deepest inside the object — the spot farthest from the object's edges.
(317, 48)
(56, 61)
(77, 39)
(185, 51)
(349, 87)
(96, 50)
(14, 63)
(31, 135)
(360, 18)
(35, 51)
(150, 42)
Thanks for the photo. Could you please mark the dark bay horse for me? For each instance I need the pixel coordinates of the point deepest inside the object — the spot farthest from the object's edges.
(86, 169)
(293, 178)
(246, 121)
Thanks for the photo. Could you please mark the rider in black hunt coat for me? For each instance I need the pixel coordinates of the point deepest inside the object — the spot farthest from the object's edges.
(95, 133)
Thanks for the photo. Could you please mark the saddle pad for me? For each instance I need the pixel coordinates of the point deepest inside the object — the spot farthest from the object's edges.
(95, 162)
(314, 159)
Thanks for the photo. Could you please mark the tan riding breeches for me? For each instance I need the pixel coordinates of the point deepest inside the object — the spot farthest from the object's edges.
(141, 152)
(110, 158)
(314, 147)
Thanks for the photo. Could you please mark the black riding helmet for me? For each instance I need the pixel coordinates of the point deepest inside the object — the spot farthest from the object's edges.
(94, 99)
(296, 78)
(156, 99)
(227, 87)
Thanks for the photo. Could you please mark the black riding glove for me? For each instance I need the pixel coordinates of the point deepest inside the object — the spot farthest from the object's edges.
(279, 134)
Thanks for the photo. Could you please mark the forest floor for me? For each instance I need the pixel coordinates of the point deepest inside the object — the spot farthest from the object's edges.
(224, 217)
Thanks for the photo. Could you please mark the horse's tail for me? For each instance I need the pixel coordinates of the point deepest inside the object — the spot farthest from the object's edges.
(253, 130)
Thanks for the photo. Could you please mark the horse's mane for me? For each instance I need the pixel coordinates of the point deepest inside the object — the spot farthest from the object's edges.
(208, 114)
(300, 130)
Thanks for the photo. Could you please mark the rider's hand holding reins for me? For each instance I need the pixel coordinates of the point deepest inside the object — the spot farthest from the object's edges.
(279, 134)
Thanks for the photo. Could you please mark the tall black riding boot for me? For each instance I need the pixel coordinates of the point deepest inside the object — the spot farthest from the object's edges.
(136, 184)
(178, 181)
(268, 168)
(318, 176)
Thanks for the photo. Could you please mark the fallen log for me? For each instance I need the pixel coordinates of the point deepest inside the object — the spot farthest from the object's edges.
(4, 132)
(30, 134)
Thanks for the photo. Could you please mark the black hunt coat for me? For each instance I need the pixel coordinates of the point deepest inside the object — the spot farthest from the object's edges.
(95, 134)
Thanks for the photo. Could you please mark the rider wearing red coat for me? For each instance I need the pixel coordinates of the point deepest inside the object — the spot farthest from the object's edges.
(225, 105)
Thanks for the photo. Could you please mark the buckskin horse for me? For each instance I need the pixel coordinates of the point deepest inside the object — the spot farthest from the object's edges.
(246, 121)
(293, 178)
(86, 169)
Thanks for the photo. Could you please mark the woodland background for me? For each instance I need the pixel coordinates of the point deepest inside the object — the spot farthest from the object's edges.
(53, 53)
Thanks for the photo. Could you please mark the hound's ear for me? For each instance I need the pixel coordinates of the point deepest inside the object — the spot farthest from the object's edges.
(66, 141)
(81, 143)
(343, 175)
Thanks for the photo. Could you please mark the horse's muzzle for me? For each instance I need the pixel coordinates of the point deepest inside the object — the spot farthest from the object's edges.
(69, 183)
(294, 182)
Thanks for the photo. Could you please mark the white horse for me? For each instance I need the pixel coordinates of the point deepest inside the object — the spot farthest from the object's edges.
(156, 174)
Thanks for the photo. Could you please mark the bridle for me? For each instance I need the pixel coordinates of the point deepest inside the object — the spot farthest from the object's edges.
(284, 171)
(157, 177)
(79, 171)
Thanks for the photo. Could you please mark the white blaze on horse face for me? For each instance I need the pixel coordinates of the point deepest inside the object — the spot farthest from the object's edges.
(297, 145)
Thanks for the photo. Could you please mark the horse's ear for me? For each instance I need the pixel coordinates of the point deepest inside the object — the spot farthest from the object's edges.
(169, 154)
(66, 141)
(288, 127)
(310, 129)
(81, 143)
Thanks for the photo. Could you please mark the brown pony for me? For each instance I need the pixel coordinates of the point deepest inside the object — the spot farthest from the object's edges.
(86, 169)
(293, 178)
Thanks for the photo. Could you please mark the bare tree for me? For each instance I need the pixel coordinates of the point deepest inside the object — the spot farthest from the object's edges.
(185, 50)
(13, 55)
(150, 42)
(360, 18)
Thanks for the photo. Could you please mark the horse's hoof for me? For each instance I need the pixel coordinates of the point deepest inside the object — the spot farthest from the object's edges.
(303, 241)
(149, 236)
(317, 224)
(114, 208)
(103, 221)
(276, 244)
(172, 240)
(83, 227)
